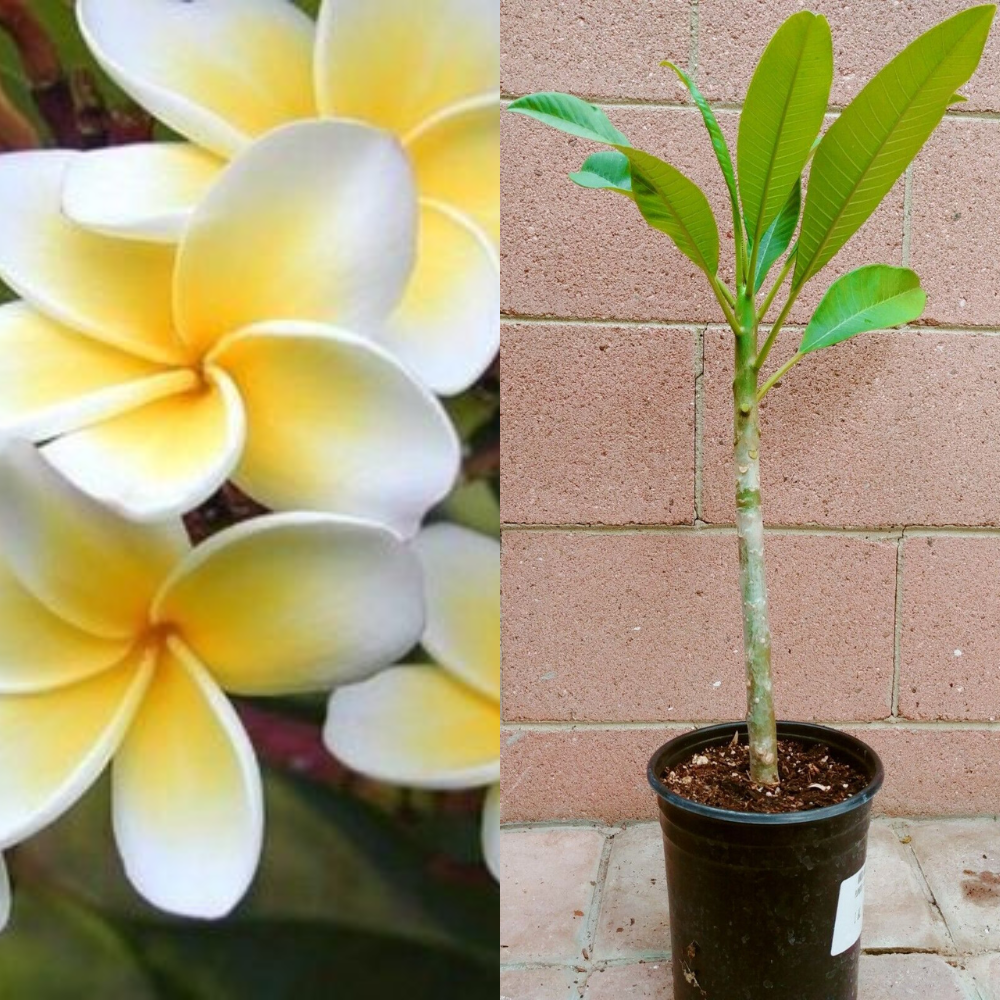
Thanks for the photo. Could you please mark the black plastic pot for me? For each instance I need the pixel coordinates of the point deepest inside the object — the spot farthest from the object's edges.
(765, 907)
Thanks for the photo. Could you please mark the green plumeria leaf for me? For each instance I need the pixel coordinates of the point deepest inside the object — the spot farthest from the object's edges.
(675, 205)
(875, 297)
(868, 147)
(778, 235)
(668, 200)
(93, 957)
(782, 116)
(473, 410)
(425, 906)
(569, 114)
(718, 139)
(309, 959)
(474, 505)
(608, 170)
(958, 99)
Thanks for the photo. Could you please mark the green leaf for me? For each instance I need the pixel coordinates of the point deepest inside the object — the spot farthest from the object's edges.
(465, 915)
(605, 170)
(958, 99)
(474, 505)
(668, 200)
(873, 141)
(718, 139)
(875, 297)
(473, 410)
(457, 834)
(778, 235)
(569, 114)
(675, 205)
(782, 116)
(93, 960)
(274, 960)
(328, 857)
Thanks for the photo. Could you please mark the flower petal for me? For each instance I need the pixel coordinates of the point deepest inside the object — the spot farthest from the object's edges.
(39, 651)
(447, 328)
(54, 380)
(491, 831)
(145, 191)
(187, 800)
(457, 159)
(54, 746)
(317, 221)
(295, 602)
(118, 291)
(416, 725)
(91, 567)
(4, 896)
(133, 462)
(219, 73)
(394, 63)
(462, 574)
(335, 423)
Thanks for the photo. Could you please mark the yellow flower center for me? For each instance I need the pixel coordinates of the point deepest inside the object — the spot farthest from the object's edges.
(154, 636)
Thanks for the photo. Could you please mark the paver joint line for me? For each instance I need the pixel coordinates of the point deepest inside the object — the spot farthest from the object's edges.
(595, 900)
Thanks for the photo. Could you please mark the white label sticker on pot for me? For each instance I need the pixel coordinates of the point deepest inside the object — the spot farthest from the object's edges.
(847, 929)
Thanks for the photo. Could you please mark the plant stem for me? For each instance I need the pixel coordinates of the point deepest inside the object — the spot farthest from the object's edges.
(16, 132)
(721, 293)
(750, 531)
(751, 279)
(39, 57)
(484, 463)
(742, 264)
(775, 329)
(38, 53)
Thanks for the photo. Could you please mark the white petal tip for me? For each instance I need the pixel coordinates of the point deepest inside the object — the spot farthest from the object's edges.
(491, 832)
(5, 902)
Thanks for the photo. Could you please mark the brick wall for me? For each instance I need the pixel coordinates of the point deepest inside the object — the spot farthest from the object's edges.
(621, 614)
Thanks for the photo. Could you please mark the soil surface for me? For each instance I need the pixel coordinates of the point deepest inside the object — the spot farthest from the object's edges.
(812, 776)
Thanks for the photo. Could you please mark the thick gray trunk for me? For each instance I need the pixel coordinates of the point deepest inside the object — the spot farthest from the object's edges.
(750, 530)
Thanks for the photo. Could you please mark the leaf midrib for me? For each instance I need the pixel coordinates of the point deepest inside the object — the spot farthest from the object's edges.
(769, 175)
(808, 273)
(824, 341)
(682, 225)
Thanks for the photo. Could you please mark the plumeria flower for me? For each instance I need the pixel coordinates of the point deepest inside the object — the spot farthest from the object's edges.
(437, 725)
(154, 372)
(117, 641)
(222, 72)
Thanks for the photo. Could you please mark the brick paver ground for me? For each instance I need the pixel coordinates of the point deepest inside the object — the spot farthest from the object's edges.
(584, 912)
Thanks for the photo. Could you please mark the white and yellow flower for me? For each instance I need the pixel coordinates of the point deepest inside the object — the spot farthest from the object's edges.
(154, 372)
(437, 725)
(224, 72)
(117, 641)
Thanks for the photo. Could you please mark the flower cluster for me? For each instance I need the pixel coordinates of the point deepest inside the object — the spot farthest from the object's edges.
(435, 725)
(276, 300)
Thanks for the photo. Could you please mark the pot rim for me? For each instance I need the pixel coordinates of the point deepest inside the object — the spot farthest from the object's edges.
(720, 732)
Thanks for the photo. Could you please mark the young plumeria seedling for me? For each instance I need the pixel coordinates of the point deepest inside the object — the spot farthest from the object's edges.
(854, 166)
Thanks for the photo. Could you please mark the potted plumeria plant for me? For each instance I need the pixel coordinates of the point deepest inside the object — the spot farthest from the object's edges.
(765, 824)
